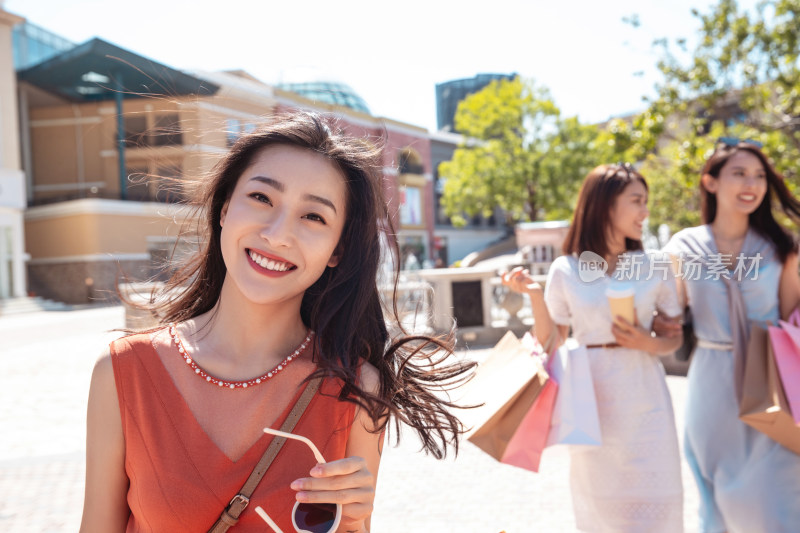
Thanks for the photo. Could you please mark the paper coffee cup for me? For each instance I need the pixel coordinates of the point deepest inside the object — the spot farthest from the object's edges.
(620, 300)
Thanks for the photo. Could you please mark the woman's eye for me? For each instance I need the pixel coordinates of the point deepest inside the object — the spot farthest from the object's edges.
(261, 197)
(315, 217)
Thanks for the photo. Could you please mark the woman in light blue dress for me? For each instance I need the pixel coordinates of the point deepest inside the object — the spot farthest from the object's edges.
(739, 261)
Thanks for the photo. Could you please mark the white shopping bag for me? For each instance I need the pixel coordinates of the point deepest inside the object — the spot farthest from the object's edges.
(575, 419)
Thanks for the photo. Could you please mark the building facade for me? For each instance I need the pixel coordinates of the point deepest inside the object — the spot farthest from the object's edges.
(450, 93)
(12, 179)
(108, 163)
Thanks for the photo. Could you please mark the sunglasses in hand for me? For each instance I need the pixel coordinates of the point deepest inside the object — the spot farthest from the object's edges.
(307, 517)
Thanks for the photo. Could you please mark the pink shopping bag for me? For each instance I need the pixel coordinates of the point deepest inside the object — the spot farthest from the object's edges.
(786, 346)
(529, 440)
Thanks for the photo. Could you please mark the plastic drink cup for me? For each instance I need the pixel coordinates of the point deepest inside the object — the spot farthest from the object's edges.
(620, 300)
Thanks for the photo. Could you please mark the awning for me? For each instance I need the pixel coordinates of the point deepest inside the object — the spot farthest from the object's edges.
(98, 70)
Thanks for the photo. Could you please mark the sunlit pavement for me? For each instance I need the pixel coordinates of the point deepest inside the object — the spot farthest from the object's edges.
(46, 360)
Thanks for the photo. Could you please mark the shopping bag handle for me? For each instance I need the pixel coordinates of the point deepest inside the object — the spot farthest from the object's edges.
(549, 348)
(552, 341)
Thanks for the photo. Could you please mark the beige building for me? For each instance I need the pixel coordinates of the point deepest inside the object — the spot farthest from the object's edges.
(106, 163)
(110, 140)
(12, 179)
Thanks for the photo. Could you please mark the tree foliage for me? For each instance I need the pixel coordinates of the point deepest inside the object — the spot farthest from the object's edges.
(520, 155)
(742, 80)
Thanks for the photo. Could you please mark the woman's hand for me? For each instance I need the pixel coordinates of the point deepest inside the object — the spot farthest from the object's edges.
(347, 481)
(634, 336)
(664, 326)
(520, 280)
(631, 335)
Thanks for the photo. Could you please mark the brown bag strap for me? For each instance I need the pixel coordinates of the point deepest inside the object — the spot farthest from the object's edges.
(230, 515)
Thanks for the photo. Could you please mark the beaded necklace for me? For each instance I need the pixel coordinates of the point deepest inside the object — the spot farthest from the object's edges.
(173, 331)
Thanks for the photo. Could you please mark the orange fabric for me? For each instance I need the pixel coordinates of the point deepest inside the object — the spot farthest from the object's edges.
(179, 479)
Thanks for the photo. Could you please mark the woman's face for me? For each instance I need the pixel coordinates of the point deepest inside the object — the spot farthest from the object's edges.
(741, 184)
(282, 224)
(629, 212)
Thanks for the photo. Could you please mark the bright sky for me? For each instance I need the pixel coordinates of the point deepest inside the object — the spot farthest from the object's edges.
(394, 53)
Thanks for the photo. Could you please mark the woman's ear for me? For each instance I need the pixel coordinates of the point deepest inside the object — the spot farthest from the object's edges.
(336, 256)
(223, 213)
(709, 183)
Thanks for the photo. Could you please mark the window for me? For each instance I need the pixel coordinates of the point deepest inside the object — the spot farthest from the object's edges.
(135, 131)
(167, 186)
(411, 207)
(158, 181)
(409, 162)
(232, 131)
(142, 130)
(136, 182)
(166, 131)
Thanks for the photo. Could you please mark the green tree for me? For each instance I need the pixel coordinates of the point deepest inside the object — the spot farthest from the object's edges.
(742, 80)
(520, 155)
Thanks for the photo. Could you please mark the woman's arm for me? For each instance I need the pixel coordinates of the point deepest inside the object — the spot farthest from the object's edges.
(105, 507)
(789, 290)
(667, 334)
(663, 325)
(520, 280)
(350, 481)
(634, 336)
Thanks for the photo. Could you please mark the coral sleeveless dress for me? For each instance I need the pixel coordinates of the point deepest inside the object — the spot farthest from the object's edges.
(179, 478)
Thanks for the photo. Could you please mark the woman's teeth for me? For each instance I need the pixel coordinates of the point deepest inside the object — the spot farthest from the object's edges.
(270, 264)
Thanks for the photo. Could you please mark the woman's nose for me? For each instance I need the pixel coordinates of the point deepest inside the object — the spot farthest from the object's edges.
(277, 231)
(751, 181)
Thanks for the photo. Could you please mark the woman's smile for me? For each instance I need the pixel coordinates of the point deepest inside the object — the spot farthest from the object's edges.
(269, 264)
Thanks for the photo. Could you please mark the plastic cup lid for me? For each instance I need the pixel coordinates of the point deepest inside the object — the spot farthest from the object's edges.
(619, 292)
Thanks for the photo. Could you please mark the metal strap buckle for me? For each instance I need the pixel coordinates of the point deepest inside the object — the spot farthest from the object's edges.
(240, 499)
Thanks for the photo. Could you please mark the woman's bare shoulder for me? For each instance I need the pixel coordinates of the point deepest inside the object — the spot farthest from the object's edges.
(370, 377)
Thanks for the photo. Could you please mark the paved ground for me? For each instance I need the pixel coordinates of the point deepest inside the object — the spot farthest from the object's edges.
(46, 361)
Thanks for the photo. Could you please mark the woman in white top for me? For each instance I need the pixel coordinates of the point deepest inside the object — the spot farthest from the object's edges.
(632, 483)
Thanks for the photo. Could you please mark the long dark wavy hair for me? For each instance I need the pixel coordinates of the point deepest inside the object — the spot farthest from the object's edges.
(592, 218)
(343, 306)
(762, 219)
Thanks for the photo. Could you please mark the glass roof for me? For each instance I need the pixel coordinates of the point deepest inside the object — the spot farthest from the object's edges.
(329, 92)
(98, 70)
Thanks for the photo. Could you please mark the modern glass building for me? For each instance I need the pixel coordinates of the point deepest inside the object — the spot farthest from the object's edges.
(32, 45)
(328, 92)
(450, 93)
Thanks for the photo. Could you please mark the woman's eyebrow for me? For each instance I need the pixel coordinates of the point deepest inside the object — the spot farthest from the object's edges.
(321, 200)
(275, 184)
(280, 187)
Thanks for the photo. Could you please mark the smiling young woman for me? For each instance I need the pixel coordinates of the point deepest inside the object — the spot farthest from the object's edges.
(747, 482)
(632, 482)
(282, 299)
(283, 221)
